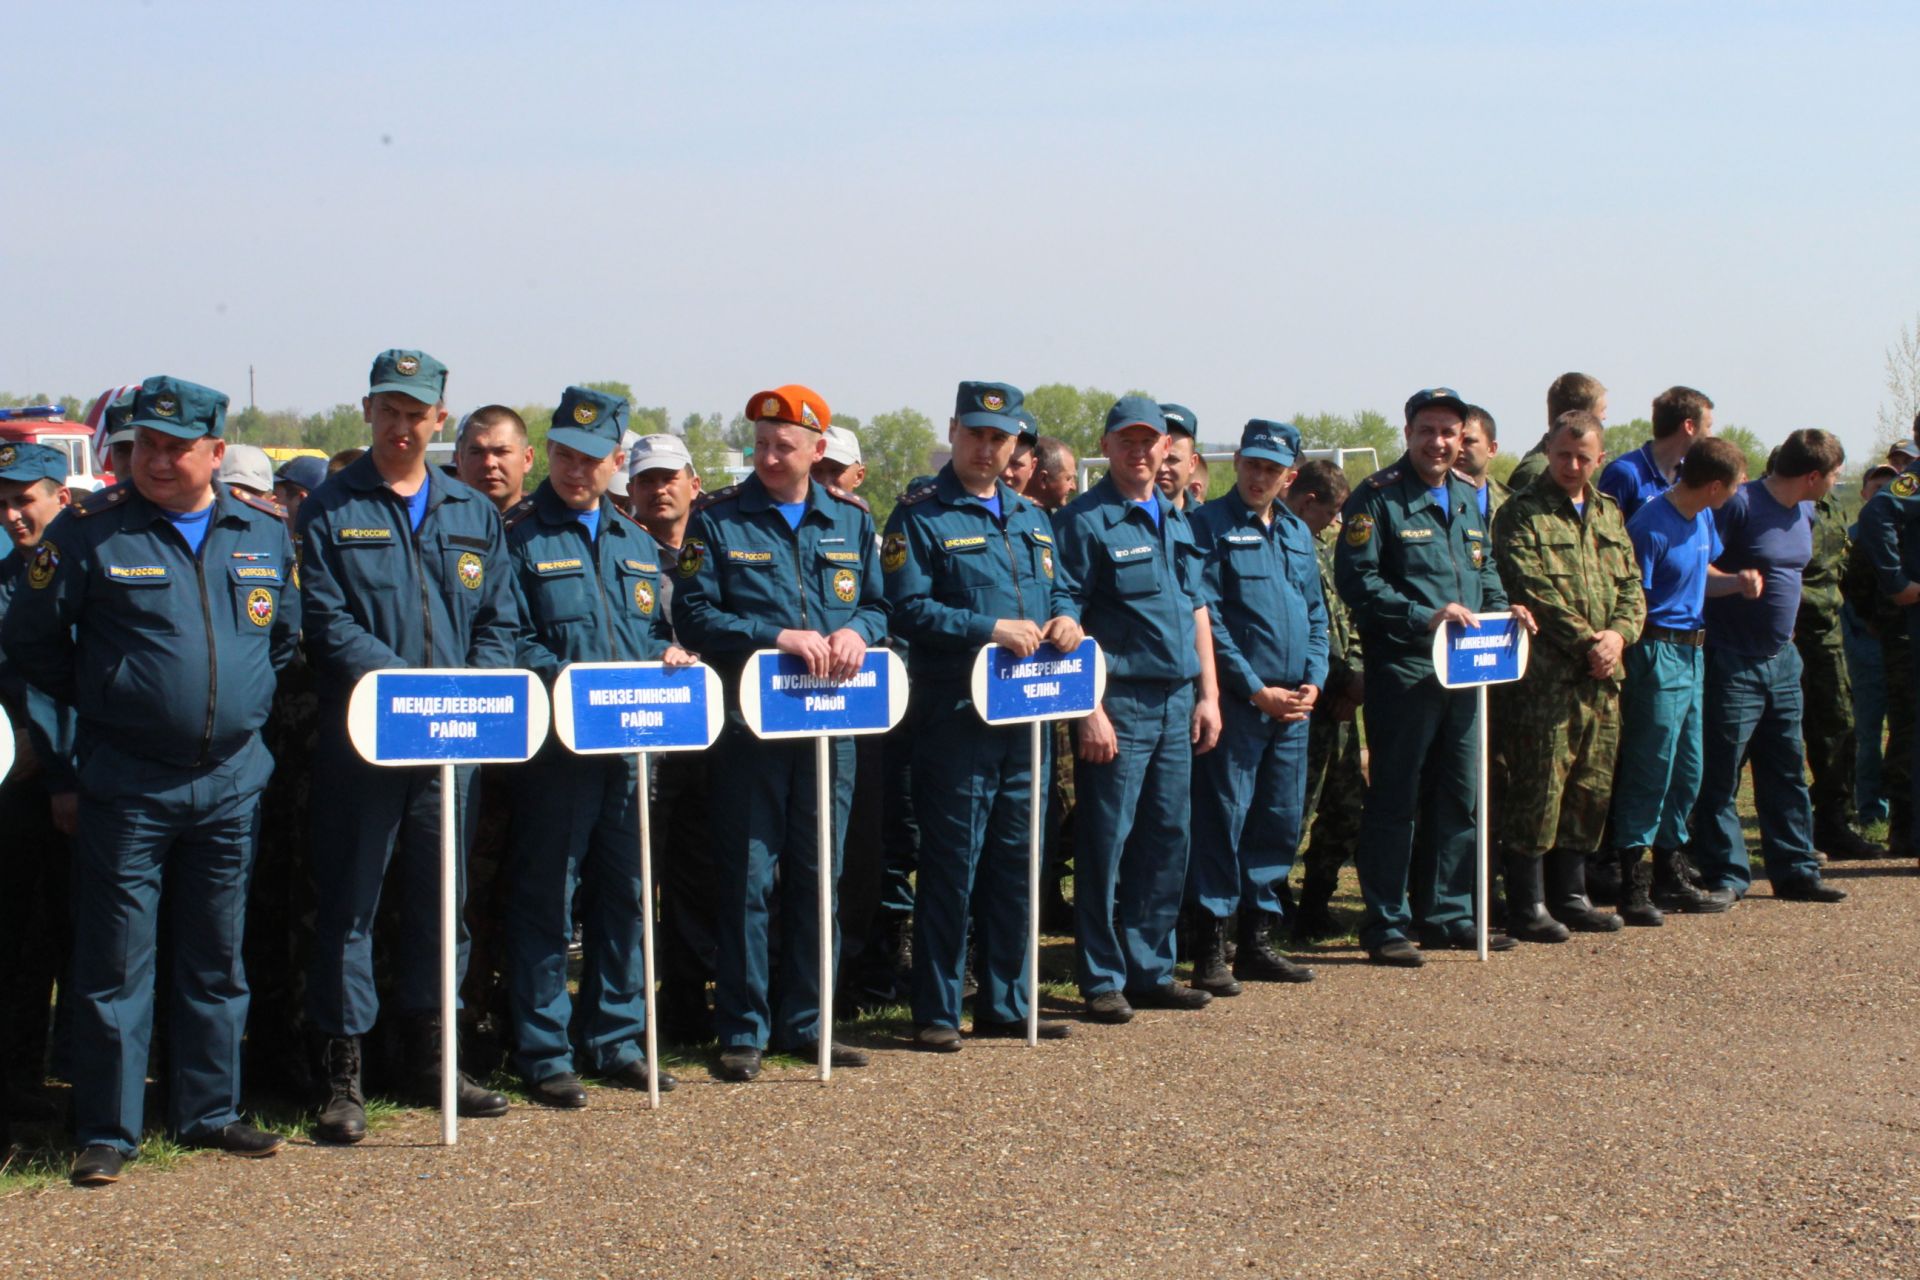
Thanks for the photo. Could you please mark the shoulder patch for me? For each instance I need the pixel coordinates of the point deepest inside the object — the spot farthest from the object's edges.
(268, 505)
(104, 500)
(706, 500)
(516, 513)
(1381, 479)
(1904, 485)
(844, 496)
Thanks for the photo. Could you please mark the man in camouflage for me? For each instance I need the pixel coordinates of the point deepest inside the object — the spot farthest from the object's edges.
(1568, 392)
(1336, 788)
(1828, 695)
(1562, 550)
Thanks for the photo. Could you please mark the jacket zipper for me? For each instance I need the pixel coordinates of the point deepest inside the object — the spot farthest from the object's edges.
(419, 569)
(600, 583)
(1013, 562)
(213, 654)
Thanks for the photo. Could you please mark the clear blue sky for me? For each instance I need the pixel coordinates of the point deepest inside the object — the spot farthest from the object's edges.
(1253, 209)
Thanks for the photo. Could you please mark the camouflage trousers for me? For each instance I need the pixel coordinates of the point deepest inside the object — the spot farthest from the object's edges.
(1560, 741)
(1826, 724)
(1336, 797)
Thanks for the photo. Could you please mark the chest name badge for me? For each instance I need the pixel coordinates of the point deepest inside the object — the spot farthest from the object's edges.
(749, 557)
(555, 566)
(137, 572)
(266, 572)
(1416, 535)
(470, 570)
(845, 586)
(363, 535)
(960, 544)
(847, 557)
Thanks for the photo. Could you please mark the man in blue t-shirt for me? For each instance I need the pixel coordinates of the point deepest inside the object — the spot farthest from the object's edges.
(1753, 698)
(1658, 777)
(1681, 416)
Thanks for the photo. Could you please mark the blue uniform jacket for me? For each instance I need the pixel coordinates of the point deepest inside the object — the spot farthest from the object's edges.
(953, 571)
(378, 594)
(1890, 533)
(167, 656)
(1262, 587)
(1399, 563)
(743, 576)
(1138, 585)
(583, 600)
(50, 725)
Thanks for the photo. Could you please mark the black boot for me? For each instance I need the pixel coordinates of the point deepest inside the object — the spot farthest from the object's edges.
(1600, 878)
(1674, 890)
(422, 1031)
(1257, 961)
(1837, 839)
(1527, 917)
(1210, 972)
(1636, 873)
(1567, 900)
(1312, 915)
(343, 1113)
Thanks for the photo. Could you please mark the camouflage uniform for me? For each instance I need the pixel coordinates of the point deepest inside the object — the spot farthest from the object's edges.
(1336, 787)
(1827, 726)
(1532, 465)
(1887, 621)
(1577, 573)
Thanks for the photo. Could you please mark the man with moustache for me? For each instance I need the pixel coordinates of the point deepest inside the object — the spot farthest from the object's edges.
(492, 454)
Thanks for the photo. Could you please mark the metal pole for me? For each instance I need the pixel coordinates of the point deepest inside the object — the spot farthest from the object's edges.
(1033, 886)
(1480, 826)
(823, 836)
(646, 935)
(449, 997)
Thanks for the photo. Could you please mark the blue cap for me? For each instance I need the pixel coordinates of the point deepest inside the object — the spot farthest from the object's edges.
(307, 472)
(411, 373)
(590, 421)
(1181, 421)
(1276, 442)
(179, 408)
(989, 404)
(116, 422)
(26, 463)
(1445, 397)
(1135, 411)
(1029, 425)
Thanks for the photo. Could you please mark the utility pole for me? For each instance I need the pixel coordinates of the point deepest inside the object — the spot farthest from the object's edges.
(250, 403)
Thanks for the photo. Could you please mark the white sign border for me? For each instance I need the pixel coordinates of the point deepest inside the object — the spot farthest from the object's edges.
(363, 715)
(563, 708)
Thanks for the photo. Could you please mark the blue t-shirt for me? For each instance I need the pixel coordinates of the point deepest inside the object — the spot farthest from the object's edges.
(1634, 480)
(1674, 554)
(1151, 505)
(792, 511)
(1442, 499)
(193, 525)
(417, 505)
(1758, 533)
(591, 518)
(992, 503)
(1484, 496)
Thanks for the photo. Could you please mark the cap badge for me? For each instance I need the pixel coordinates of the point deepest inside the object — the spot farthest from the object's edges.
(584, 414)
(993, 401)
(407, 365)
(770, 407)
(165, 406)
(6, 455)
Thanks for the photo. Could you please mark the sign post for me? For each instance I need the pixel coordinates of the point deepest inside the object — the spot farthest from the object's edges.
(423, 716)
(778, 699)
(1046, 685)
(621, 708)
(1495, 652)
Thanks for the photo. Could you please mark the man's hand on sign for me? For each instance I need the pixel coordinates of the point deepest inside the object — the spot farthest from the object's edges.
(1017, 636)
(1604, 656)
(848, 654)
(810, 646)
(1095, 739)
(1453, 613)
(1524, 616)
(1206, 725)
(675, 656)
(1063, 634)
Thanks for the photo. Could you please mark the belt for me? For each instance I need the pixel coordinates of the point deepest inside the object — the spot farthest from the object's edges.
(1694, 638)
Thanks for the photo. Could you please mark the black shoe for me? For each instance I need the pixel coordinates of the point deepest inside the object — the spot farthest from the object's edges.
(421, 1038)
(1109, 1006)
(98, 1166)
(1018, 1030)
(1257, 961)
(739, 1063)
(1313, 916)
(1808, 889)
(1674, 889)
(1397, 952)
(1171, 995)
(237, 1139)
(1527, 917)
(343, 1114)
(838, 1054)
(1714, 901)
(1636, 874)
(1838, 840)
(634, 1076)
(1210, 972)
(936, 1039)
(1567, 901)
(1432, 939)
(561, 1090)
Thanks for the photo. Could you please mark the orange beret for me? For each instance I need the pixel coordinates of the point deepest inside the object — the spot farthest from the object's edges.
(802, 406)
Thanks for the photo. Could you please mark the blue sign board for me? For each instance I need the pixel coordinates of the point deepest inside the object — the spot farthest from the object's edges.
(447, 717)
(604, 707)
(1495, 652)
(779, 699)
(1045, 685)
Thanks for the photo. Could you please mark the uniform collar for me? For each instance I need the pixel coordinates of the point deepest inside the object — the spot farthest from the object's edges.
(1119, 508)
(1246, 515)
(362, 476)
(1419, 491)
(141, 513)
(755, 498)
(947, 487)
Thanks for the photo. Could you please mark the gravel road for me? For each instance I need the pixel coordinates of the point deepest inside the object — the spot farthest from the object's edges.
(1730, 1095)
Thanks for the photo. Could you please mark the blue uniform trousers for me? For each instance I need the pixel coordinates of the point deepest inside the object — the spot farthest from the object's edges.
(1130, 838)
(141, 825)
(576, 829)
(1866, 669)
(1753, 715)
(1417, 835)
(366, 818)
(1658, 776)
(764, 821)
(973, 793)
(1247, 798)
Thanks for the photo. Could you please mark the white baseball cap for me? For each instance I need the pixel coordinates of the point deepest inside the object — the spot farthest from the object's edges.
(843, 446)
(248, 465)
(658, 453)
